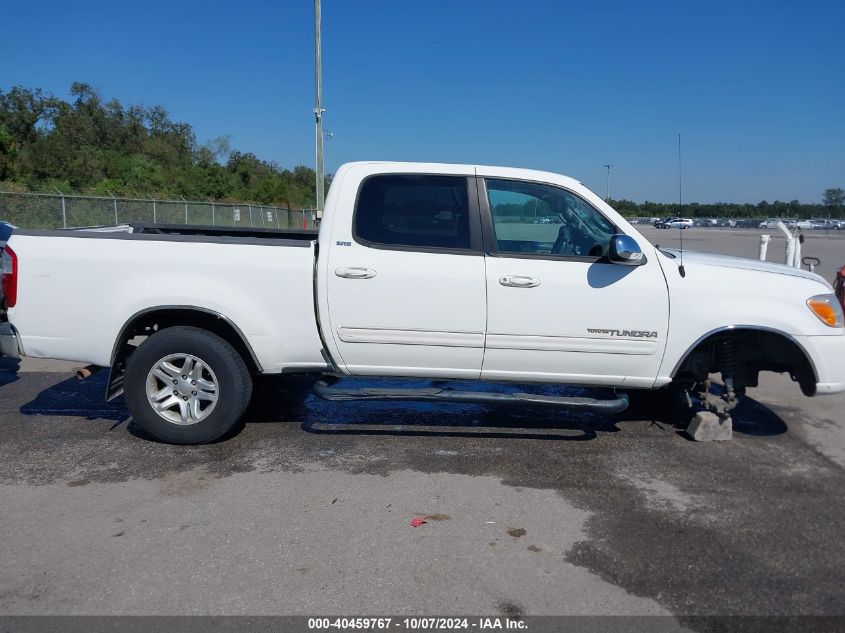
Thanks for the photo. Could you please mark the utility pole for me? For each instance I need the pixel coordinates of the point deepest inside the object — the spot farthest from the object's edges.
(680, 172)
(607, 195)
(318, 111)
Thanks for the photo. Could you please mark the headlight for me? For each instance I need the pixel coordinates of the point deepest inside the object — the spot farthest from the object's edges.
(827, 308)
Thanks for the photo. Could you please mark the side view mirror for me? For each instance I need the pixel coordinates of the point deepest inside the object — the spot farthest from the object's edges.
(625, 250)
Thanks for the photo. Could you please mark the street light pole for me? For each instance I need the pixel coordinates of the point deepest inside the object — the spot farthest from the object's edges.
(318, 111)
(607, 195)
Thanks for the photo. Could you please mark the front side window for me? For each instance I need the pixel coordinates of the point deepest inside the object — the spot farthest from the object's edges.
(410, 210)
(539, 219)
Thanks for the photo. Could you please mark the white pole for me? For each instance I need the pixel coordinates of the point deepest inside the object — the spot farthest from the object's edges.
(789, 253)
(64, 213)
(318, 108)
(764, 246)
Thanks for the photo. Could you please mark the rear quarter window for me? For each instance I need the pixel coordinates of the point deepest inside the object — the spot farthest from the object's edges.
(417, 211)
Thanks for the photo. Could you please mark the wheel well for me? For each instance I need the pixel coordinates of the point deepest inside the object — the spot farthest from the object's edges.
(148, 322)
(752, 351)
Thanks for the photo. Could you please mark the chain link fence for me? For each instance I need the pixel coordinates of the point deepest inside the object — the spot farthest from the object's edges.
(58, 211)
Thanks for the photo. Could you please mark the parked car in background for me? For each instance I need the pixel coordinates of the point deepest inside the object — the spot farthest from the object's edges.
(772, 223)
(805, 225)
(680, 223)
(706, 222)
(673, 223)
(746, 223)
(665, 223)
(5, 232)
(825, 225)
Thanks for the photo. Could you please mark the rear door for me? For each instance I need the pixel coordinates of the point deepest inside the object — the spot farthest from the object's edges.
(406, 284)
(558, 310)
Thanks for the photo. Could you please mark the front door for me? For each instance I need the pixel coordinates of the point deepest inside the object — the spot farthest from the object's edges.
(558, 310)
(407, 289)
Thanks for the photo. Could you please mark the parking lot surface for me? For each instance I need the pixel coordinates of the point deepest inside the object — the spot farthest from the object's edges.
(827, 246)
(528, 510)
(307, 510)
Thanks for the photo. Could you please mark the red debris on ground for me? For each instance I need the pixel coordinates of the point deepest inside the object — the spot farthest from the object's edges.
(417, 521)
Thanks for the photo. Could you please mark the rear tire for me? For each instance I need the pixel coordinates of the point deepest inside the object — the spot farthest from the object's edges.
(199, 406)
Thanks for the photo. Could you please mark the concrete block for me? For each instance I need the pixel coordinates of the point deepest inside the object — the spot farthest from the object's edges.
(705, 426)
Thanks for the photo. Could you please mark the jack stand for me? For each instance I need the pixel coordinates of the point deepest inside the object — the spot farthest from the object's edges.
(714, 422)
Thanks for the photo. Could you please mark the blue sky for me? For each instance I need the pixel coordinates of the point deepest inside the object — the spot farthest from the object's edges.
(756, 89)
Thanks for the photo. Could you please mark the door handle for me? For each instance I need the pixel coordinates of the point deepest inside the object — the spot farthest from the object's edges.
(519, 281)
(355, 272)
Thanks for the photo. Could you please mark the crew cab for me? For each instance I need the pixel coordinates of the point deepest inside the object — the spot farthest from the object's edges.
(419, 270)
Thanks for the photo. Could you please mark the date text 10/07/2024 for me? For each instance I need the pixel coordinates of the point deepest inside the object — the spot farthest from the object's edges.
(417, 623)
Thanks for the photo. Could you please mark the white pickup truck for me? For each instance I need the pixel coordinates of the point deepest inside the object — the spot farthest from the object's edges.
(419, 270)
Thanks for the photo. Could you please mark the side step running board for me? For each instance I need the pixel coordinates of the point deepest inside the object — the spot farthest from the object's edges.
(433, 394)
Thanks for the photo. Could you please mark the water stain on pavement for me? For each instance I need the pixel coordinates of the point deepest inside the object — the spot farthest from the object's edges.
(701, 528)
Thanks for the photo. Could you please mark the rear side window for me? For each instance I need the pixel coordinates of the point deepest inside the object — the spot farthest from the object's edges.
(414, 211)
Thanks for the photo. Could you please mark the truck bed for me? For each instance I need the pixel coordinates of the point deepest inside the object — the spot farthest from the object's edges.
(183, 233)
(223, 231)
(99, 278)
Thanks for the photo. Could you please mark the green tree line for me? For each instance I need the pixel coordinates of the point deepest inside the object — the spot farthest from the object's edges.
(88, 145)
(831, 206)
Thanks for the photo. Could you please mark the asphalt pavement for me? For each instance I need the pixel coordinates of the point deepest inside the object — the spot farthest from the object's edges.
(528, 511)
(308, 509)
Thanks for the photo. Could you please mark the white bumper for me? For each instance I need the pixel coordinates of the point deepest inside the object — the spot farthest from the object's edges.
(828, 356)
